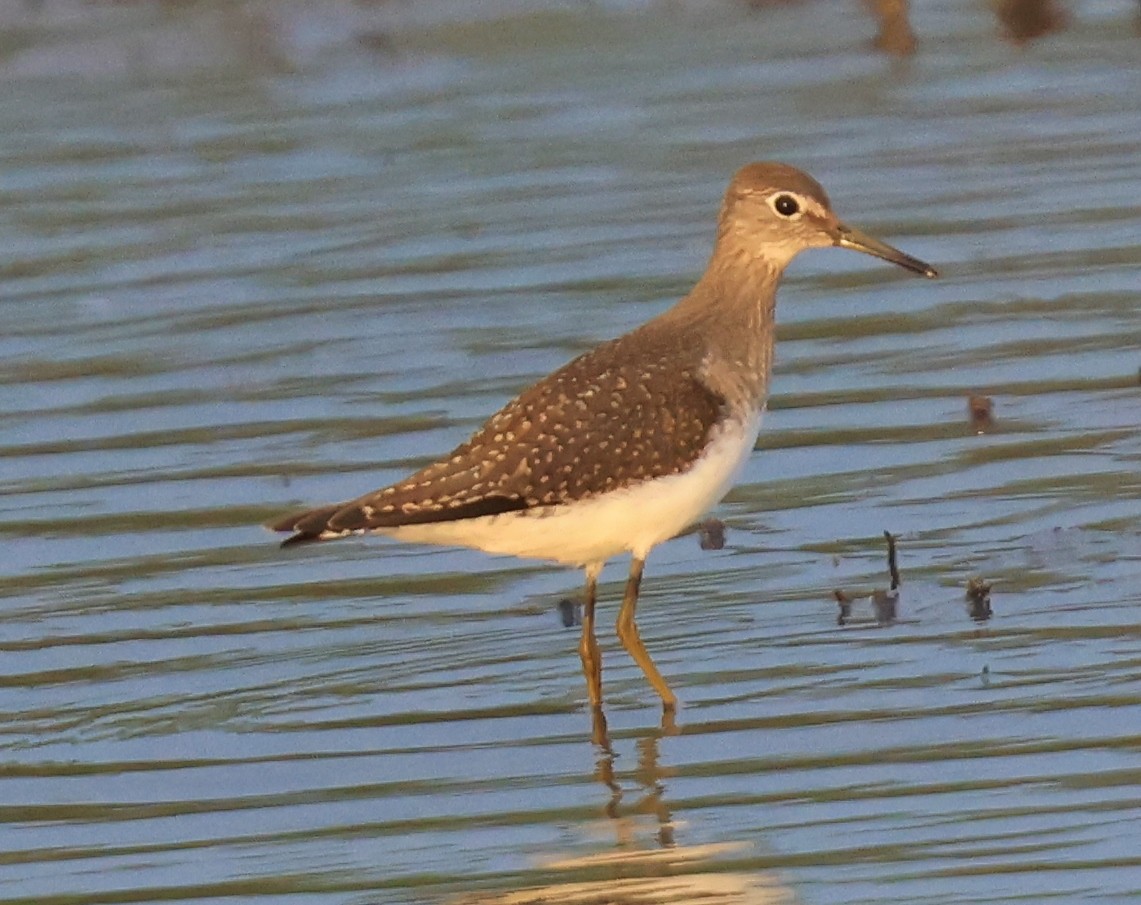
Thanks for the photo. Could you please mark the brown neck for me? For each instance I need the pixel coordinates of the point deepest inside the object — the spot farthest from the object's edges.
(731, 313)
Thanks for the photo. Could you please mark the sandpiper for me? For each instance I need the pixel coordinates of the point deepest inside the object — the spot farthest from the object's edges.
(631, 443)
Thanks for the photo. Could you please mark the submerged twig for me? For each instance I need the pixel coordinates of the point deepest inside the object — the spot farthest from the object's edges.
(892, 567)
(885, 604)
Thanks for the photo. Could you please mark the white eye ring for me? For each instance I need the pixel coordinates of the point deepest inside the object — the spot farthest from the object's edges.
(787, 205)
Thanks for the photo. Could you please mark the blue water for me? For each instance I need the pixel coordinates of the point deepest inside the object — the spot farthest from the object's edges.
(254, 260)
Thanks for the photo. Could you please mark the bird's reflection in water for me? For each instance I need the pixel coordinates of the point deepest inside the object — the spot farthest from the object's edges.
(650, 802)
(635, 872)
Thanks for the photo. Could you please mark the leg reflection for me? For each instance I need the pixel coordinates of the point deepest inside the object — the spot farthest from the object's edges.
(648, 776)
(599, 734)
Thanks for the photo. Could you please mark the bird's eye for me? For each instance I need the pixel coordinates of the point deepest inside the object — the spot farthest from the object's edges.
(786, 205)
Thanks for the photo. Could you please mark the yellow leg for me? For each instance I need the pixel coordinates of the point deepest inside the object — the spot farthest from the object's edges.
(588, 644)
(632, 641)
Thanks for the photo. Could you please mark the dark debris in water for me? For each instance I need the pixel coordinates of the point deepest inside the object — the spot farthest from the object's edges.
(570, 612)
(1025, 20)
(885, 603)
(892, 565)
(1019, 21)
(845, 602)
(978, 599)
(711, 534)
(980, 410)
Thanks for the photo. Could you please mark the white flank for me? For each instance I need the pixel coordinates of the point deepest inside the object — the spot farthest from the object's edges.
(630, 520)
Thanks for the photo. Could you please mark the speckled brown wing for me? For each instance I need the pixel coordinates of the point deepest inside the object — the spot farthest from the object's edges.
(621, 414)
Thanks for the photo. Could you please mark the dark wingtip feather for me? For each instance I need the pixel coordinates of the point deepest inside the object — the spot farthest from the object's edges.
(289, 523)
(308, 524)
(300, 538)
(341, 519)
(352, 519)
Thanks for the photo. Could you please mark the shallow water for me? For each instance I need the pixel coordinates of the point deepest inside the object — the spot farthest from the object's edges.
(247, 285)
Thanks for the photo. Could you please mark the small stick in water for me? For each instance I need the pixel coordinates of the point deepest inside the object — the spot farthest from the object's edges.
(892, 568)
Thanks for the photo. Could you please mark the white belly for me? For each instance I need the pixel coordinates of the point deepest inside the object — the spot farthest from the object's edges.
(631, 520)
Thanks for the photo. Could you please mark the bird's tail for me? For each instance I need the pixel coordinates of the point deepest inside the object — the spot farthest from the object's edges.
(308, 525)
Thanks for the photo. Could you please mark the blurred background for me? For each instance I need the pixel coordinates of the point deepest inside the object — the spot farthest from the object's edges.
(256, 255)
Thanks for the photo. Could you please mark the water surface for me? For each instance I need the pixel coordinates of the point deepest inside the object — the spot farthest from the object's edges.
(259, 283)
